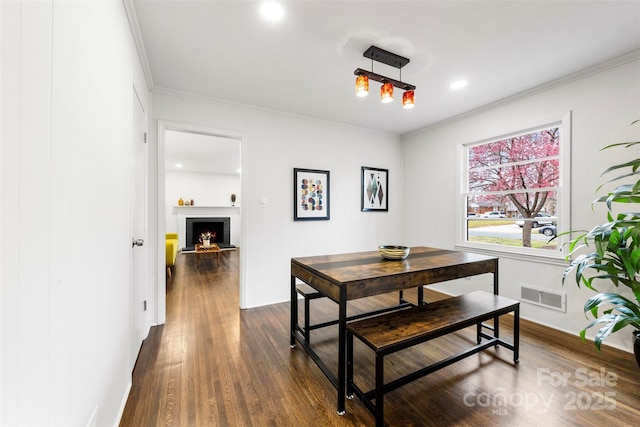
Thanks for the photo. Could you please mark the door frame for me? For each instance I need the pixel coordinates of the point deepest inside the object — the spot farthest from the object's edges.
(166, 125)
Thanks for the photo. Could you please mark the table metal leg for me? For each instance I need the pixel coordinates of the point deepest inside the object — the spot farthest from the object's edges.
(294, 312)
(379, 392)
(342, 359)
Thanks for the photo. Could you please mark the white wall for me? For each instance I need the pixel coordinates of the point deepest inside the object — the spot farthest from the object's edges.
(603, 105)
(68, 70)
(206, 189)
(272, 145)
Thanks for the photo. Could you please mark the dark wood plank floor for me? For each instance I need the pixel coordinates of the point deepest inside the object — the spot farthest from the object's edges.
(213, 364)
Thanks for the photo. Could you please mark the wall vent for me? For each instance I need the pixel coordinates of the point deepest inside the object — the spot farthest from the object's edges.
(544, 298)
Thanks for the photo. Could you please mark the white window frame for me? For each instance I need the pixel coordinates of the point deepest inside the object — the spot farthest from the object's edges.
(563, 195)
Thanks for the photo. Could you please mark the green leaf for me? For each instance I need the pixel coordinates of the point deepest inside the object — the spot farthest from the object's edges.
(631, 164)
(623, 144)
(621, 312)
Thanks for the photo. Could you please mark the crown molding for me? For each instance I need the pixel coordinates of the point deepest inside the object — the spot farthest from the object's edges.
(264, 110)
(630, 57)
(132, 16)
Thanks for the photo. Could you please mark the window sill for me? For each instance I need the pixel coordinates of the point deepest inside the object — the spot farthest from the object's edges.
(553, 257)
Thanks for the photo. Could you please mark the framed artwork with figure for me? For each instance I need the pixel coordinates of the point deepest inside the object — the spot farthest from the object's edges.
(310, 194)
(374, 189)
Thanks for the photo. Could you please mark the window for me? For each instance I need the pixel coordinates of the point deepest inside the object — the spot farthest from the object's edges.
(514, 194)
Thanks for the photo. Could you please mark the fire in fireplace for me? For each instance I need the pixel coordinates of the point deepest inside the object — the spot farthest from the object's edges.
(220, 226)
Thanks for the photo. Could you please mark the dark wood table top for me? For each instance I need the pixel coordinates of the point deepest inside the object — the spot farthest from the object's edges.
(365, 274)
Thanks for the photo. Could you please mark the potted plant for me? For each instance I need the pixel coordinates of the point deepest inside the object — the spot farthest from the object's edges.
(615, 258)
(206, 237)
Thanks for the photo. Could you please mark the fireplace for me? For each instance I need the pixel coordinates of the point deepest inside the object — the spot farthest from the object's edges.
(220, 226)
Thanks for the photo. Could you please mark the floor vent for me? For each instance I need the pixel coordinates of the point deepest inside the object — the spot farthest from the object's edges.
(544, 298)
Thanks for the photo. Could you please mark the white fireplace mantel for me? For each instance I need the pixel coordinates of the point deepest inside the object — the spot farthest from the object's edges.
(184, 212)
(177, 210)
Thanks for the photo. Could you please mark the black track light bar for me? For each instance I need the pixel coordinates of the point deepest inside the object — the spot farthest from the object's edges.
(386, 57)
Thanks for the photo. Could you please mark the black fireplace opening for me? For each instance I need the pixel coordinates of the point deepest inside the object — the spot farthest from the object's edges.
(196, 226)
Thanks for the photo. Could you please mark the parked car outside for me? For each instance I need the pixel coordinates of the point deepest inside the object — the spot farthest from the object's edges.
(494, 214)
(548, 230)
(472, 215)
(541, 219)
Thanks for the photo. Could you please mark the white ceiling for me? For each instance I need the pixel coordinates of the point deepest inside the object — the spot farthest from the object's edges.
(305, 63)
(201, 153)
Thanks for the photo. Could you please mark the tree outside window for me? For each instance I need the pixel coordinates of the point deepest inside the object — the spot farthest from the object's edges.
(520, 176)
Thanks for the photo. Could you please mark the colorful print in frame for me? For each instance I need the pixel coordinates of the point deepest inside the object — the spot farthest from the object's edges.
(310, 194)
(375, 189)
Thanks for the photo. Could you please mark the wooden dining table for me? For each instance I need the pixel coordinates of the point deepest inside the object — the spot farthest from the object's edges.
(349, 276)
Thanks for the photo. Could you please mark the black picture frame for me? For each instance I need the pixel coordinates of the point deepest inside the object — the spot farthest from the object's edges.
(311, 195)
(374, 189)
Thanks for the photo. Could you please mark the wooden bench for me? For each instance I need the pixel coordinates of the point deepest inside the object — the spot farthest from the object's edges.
(392, 332)
(310, 293)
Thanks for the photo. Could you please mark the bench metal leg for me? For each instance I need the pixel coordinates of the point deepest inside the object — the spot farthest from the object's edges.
(516, 334)
(420, 299)
(496, 323)
(307, 336)
(349, 364)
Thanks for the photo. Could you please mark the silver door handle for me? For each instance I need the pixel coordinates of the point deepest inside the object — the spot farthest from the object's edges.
(137, 242)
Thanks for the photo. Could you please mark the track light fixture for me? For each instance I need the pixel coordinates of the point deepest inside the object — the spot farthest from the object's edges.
(386, 90)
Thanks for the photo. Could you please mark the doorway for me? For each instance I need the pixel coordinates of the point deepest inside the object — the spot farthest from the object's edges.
(211, 154)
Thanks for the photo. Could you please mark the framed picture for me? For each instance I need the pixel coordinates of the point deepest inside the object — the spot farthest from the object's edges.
(310, 194)
(375, 189)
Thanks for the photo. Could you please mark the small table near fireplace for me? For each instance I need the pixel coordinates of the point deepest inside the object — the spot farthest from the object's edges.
(210, 249)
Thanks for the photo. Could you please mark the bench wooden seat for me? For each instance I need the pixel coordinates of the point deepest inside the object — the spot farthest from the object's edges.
(392, 332)
(310, 293)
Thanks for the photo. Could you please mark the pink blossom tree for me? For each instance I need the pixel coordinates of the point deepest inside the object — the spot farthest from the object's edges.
(523, 170)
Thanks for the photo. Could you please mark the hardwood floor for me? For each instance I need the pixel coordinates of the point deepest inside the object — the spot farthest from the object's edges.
(213, 364)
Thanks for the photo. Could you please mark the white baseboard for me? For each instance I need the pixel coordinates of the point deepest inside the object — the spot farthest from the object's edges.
(123, 404)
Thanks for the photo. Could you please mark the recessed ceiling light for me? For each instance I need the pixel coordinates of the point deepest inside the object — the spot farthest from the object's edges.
(458, 84)
(271, 11)
(178, 165)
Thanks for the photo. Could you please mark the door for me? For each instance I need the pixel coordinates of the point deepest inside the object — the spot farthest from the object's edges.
(139, 247)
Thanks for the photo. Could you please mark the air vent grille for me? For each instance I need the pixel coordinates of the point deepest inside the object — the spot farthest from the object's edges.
(544, 297)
